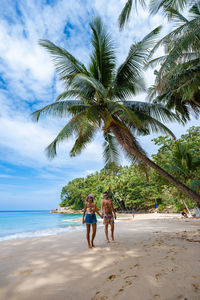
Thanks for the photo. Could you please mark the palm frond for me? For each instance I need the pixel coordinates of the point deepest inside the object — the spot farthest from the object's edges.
(133, 66)
(58, 109)
(152, 125)
(154, 62)
(85, 135)
(110, 153)
(195, 9)
(182, 45)
(68, 130)
(128, 89)
(125, 13)
(97, 85)
(175, 169)
(66, 64)
(84, 125)
(124, 113)
(155, 110)
(179, 87)
(157, 5)
(103, 57)
(171, 36)
(75, 93)
(175, 16)
(152, 93)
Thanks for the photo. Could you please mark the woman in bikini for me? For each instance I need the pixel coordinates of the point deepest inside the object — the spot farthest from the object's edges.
(89, 218)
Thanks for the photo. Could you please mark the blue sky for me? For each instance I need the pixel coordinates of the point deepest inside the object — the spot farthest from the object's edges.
(28, 180)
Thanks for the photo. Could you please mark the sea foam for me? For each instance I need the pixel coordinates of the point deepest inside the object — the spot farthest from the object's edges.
(39, 233)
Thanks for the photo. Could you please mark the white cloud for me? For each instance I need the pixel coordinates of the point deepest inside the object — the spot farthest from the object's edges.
(27, 140)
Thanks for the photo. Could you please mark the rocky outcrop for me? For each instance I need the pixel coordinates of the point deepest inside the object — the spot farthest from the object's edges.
(65, 210)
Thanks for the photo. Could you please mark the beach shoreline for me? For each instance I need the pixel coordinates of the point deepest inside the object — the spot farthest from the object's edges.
(76, 225)
(150, 252)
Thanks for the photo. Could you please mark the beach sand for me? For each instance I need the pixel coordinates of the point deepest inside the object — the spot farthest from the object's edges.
(154, 257)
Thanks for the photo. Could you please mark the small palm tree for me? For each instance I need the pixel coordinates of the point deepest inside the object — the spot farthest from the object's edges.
(99, 102)
(184, 165)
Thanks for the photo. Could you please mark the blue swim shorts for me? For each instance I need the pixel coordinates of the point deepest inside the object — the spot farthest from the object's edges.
(90, 219)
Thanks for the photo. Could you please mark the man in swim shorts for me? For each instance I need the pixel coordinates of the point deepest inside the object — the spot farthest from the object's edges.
(109, 214)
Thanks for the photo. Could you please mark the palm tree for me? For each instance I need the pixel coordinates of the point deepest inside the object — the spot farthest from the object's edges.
(99, 102)
(177, 81)
(154, 7)
(184, 165)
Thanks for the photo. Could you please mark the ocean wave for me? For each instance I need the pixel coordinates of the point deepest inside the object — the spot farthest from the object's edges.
(39, 233)
(71, 220)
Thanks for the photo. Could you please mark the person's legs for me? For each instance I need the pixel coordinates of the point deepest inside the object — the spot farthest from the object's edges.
(112, 231)
(106, 232)
(88, 235)
(94, 229)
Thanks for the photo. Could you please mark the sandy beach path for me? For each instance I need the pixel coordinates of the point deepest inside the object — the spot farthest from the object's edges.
(152, 258)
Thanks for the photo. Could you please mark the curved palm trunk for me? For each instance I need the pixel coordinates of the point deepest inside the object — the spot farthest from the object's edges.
(131, 146)
(195, 101)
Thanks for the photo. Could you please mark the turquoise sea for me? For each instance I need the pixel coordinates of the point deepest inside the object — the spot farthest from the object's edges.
(25, 224)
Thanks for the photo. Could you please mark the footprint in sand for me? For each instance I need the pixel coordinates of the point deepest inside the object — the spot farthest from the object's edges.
(156, 296)
(158, 275)
(127, 283)
(112, 277)
(174, 269)
(196, 287)
(99, 297)
(131, 276)
(137, 265)
(165, 272)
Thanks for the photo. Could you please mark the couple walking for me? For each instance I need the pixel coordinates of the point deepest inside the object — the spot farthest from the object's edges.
(89, 217)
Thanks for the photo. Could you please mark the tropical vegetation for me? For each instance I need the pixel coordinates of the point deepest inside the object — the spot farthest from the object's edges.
(137, 188)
